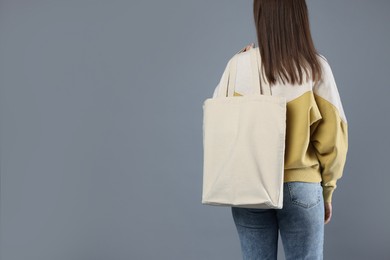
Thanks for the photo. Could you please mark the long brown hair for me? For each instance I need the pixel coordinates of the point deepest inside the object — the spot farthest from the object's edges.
(284, 40)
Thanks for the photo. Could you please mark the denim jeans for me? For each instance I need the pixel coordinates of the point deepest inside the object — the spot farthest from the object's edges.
(300, 222)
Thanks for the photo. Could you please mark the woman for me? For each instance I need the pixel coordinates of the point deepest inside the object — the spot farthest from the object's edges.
(316, 136)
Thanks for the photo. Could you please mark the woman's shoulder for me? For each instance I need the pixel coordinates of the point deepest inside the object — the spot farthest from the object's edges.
(322, 56)
(324, 62)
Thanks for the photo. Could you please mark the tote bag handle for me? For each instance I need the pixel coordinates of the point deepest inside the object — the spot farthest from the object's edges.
(259, 83)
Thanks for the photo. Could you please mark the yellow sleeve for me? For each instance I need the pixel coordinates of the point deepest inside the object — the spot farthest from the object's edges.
(329, 135)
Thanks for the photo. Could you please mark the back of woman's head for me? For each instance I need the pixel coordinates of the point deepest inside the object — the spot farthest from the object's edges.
(285, 42)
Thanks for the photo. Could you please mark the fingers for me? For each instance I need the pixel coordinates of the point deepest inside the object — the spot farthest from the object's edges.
(328, 216)
(252, 45)
(328, 212)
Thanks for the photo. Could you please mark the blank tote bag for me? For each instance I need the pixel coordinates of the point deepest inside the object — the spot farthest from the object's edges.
(244, 143)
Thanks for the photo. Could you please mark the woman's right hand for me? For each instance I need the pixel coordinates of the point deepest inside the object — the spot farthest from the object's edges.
(328, 211)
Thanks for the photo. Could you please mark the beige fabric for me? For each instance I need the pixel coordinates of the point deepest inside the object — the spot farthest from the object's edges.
(244, 143)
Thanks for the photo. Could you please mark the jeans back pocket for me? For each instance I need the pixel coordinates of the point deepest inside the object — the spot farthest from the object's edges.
(305, 194)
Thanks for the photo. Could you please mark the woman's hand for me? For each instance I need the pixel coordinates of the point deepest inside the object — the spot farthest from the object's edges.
(247, 48)
(328, 211)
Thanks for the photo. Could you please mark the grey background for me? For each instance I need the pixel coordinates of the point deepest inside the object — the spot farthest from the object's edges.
(101, 116)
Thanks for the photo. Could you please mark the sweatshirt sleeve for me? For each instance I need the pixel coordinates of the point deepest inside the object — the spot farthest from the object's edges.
(329, 135)
(224, 74)
(215, 93)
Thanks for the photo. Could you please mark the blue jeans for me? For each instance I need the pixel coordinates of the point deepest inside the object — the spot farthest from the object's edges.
(300, 221)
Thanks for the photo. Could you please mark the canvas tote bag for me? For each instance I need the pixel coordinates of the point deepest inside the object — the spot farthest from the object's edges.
(244, 143)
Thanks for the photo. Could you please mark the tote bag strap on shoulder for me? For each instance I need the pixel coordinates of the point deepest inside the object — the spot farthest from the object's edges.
(259, 83)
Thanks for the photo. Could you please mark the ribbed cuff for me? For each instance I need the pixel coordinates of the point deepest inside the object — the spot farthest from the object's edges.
(328, 193)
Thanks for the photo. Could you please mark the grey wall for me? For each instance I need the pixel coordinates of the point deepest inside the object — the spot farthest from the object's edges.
(101, 116)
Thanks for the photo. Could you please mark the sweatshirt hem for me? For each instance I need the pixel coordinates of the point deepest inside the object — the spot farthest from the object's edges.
(304, 175)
